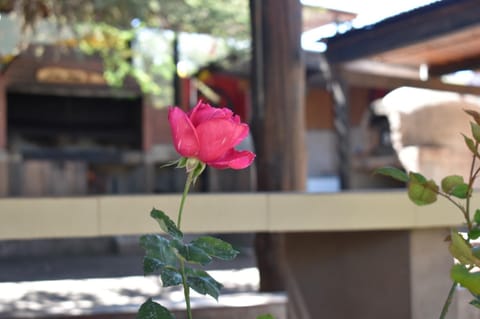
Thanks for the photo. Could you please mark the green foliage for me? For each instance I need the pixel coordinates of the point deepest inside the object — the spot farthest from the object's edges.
(107, 28)
(462, 250)
(476, 216)
(466, 278)
(191, 254)
(199, 16)
(475, 131)
(169, 274)
(152, 310)
(267, 316)
(476, 302)
(421, 191)
(393, 172)
(474, 233)
(462, 191)
(215, 247)
(159, 248)
(471, 145)
(114, 46)
(200, 281)
(450, 182)
(166, 224)
(166, 256)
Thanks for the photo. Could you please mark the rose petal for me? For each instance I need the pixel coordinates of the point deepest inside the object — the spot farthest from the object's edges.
(185, 139)
(203, 112)
(241, 133)
(234, 159)
(218, 136)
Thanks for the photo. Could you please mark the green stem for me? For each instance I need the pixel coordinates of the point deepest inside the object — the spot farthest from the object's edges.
(466, 214)
(471, 180)
(186, 288)
(188, 183)
(448, 301)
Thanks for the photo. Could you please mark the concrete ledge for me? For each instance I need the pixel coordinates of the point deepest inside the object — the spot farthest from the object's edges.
(22, 218)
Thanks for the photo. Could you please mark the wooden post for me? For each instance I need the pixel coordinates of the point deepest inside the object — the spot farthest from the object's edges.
(278, 119)
(279, 124)
(3, 139)
(339, 89)
(3, 113)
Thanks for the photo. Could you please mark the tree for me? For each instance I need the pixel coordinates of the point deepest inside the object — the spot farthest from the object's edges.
(105, 27)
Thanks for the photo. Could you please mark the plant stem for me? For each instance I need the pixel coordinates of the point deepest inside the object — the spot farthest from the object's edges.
(186, 288)
(184, 197)
(448, 301)
(466, 213)
(471, 180)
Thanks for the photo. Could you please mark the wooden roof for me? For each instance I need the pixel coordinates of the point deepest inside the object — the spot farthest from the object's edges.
(314, 17)
(445, 36)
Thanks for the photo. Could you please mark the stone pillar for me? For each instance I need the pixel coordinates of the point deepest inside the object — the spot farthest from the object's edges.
(368, 274)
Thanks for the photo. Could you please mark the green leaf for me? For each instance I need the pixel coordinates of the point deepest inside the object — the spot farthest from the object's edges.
(159, 248)
(152, 310)
(470, 144)
(182, 162)
(203, 283)
(475, 302)
(267, 316)
(198, 171)
(450, 182)
(215, 247)
(170, 276)
(475, 131)
(152, 265)
(476, 216)
(461, 191)
(421, 191)
(191, 253)
(392, 172)
(417, 177)
(462, 250)
(474, 233)
(469, 280)
(166, 224)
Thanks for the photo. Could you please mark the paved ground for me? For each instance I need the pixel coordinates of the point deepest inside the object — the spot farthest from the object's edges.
(80, 284)
(70, 297)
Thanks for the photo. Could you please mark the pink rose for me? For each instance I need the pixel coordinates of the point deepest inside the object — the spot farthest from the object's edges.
(210, 134)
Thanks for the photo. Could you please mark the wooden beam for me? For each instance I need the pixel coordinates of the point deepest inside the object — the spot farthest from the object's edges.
(406, 29)
(470, 63)
(381, 69)
(369, 80)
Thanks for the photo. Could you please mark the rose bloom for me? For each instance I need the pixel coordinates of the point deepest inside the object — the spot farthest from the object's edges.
(210, 135)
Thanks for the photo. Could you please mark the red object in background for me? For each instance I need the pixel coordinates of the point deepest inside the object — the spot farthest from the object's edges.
(232, 90)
